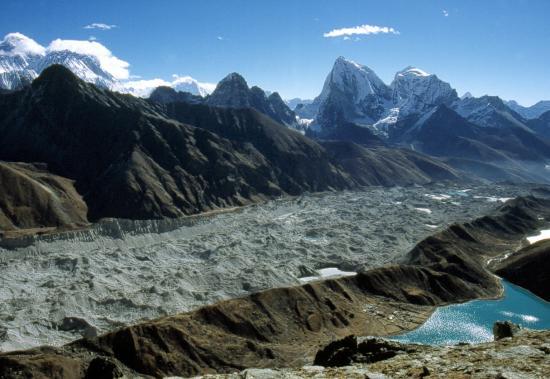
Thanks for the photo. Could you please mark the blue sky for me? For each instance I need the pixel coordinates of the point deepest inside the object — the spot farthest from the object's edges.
(499, 47)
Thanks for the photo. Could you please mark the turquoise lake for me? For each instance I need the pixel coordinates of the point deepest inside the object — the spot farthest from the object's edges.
(473, 321)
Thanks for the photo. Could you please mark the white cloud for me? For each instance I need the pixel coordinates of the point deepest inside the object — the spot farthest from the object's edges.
(142, 88)
(100, 26)
(219, 38)
(360, 30)
(111, 64)
(445, 13)
(19, 44)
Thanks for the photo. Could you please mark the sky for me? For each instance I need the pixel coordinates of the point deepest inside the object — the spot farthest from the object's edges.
(496, 47)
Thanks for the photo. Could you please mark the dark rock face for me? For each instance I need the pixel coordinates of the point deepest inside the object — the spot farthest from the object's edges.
(70, 324)
(387, 167)
(505, 152)
(445, 133)
(32, 197)
(338, 353)
(103, 368)
(529, 268)
(274, 327)
(297, 161)
(541, 125)
(233, 92)
(504, 329)
(347, 132)
(347, 351)
(165, 95)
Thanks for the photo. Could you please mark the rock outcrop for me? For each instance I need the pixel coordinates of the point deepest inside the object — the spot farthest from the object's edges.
(505, 329)
(529, 268)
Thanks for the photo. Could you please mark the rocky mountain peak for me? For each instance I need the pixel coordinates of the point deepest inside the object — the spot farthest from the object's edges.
(415, 91)
(354, 79)
(232, 92)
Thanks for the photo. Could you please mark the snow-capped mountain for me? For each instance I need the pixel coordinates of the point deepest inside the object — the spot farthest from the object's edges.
(351, 92)
(23, 59)
(354, 93)
(19, 56)
(415, 91)
(193, 86)
(531, 112)
(487, 111)
(86, 67)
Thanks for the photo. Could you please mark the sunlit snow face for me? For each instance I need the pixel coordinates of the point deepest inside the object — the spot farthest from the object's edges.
(542, 235)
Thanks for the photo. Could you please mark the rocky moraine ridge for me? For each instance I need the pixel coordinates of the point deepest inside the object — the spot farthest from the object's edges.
(287, 327)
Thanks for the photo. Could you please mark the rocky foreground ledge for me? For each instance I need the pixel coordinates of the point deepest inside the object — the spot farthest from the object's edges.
(522, 355)
(286, 327)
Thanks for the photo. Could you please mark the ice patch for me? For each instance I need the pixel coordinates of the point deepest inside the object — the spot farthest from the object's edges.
(543, 235)
(440, 197)
(493, 199)
(424, 210)
(326, 273)
(524, 318)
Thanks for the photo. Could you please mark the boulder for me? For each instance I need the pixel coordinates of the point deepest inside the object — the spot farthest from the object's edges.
(503, 329)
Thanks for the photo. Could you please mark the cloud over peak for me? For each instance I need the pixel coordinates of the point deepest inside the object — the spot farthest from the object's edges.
(111, 64)
(20, 44)
(100, 26)
(360, 30)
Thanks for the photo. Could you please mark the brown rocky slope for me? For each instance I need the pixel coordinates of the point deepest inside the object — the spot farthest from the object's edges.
(31, 197)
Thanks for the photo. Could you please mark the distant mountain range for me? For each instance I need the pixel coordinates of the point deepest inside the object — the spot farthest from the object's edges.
(131, 158)
(22, 60)
(233, 92)
(189, 148)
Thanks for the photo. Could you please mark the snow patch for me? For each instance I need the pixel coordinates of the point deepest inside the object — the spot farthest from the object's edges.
(440, 197)
(424, 210)
(492, 199)
(326, 273)
(543, 235)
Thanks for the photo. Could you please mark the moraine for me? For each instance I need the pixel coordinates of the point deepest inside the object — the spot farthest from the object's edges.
(120, 272)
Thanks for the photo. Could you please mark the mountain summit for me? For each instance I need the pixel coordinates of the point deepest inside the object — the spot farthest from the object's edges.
(352, 92)
(415, 91)
(22, 60)
(233, 92)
